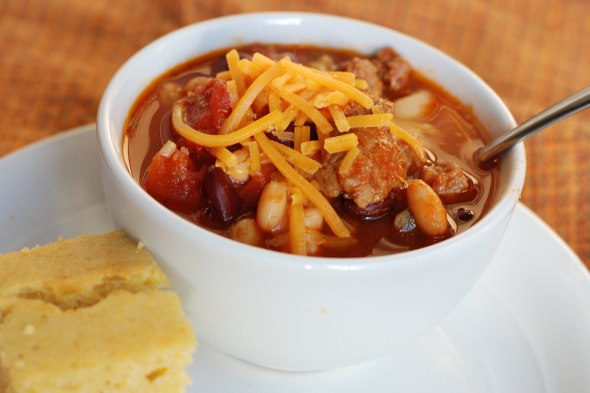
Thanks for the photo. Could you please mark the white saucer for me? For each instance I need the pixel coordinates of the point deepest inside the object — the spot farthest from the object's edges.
(525, 327)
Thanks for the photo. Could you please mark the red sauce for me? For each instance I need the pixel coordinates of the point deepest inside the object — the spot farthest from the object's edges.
(450, 132)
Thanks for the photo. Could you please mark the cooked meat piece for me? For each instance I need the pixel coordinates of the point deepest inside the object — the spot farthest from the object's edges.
(375, 171)
(446, 179)
(365, 69)
(393, 70)
(353, 108)
(413, 161)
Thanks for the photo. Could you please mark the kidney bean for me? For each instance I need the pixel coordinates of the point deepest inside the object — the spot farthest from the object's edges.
(395, 201)
(221, 195)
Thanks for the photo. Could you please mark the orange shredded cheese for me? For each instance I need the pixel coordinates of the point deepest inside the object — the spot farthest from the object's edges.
(232, 90)
(287, 118)
(300, 119)
(254, 159)
(264, 62)
(282, 80)
(293, 87)
(306, 188)
(225, 75)
(348, 160)
(346, 77)
(310, 147)
(300, 160)
(248, 68)
(201, 138)
(361, 84)
(340, 143)
(339, 118)
(303, 105)
(302, 134)
(236, 116)
(232, 58)
(297, 196)
(297, 234)
(379, 120)
(328, 81)
(409, 139)
(324, 100)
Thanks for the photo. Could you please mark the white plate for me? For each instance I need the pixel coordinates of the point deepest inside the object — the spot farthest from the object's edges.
(525, 327)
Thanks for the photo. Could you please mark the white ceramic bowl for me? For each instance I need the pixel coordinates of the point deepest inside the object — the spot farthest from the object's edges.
(285, 311)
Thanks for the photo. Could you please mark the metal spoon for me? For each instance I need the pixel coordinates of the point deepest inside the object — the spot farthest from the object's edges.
(563, 109)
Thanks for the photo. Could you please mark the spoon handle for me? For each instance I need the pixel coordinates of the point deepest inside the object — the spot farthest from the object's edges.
(563, 109)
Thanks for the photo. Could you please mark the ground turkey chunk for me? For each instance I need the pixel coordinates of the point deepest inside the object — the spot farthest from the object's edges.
(375, 171)
(394, 70)
(366, 70)
(446, 179)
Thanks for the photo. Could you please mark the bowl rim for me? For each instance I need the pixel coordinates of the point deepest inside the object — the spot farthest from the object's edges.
(114, 163)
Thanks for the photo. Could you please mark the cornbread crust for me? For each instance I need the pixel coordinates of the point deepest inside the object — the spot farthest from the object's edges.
(127, 342)
(79, 272)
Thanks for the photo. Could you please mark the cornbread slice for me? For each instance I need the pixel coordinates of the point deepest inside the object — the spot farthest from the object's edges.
(127, 342)
(86, 315)
(79, 272)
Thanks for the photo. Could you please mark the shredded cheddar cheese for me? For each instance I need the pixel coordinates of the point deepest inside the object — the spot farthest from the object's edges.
(348, 160)
(253, 70)
(378, 120)
(262, 61)
(310, 147)
(255, 164)
(409, 139)
(340, 143)
(293, 95)
(236, 116)
(300, 160)
(225, 75)
(301, 134)
(328, 81)
(232, 58)
(346, 77)
(297, 234)
(220, 140)
(339, 118)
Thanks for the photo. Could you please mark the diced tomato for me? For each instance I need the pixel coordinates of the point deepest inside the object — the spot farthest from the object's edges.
(174, 182)
(208, 107)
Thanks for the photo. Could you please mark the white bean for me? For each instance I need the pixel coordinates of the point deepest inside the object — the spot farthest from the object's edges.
(246, 231)
(313, 218)
(170, 92)
(242, 154)
(240, 173)
(427, 208)
(272, 206)
(414, 106)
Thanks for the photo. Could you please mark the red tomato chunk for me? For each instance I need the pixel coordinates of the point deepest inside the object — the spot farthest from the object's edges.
(174, 182)
(208, 107)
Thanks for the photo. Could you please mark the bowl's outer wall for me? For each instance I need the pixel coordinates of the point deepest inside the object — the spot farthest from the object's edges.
(279, 310)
